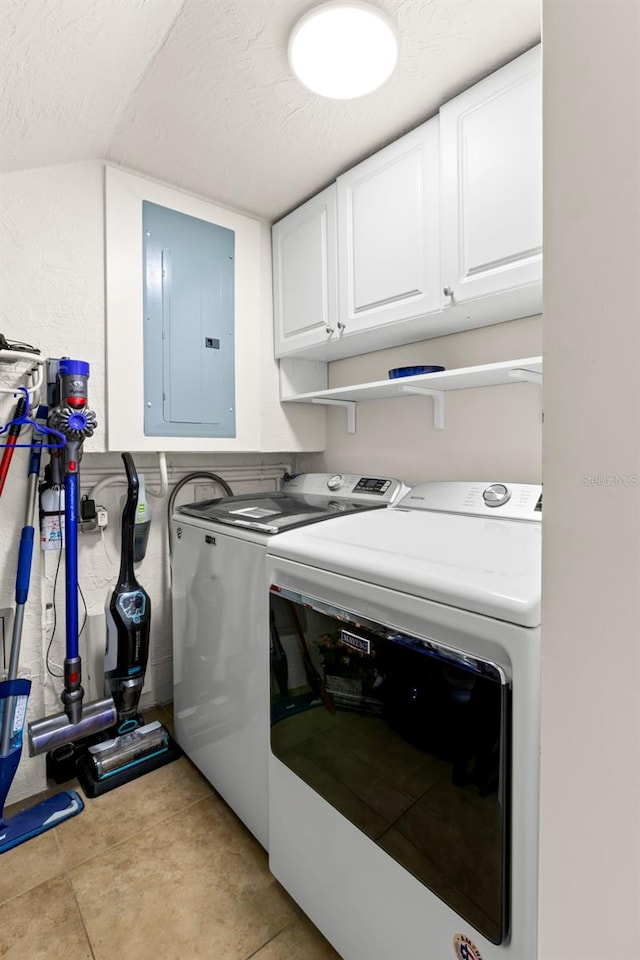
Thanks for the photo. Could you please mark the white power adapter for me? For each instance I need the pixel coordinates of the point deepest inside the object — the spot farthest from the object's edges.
(101, 517)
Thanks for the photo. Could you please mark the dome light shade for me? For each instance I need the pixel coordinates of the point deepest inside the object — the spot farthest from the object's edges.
(343, 49)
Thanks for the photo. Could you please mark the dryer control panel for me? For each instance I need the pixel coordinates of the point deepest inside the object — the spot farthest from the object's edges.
(483, 498)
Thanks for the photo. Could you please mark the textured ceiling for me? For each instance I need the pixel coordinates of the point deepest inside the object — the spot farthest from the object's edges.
(199, 92)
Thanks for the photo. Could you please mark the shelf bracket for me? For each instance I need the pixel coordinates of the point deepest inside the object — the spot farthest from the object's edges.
(349, 405)
(526, 376)
(438, 402)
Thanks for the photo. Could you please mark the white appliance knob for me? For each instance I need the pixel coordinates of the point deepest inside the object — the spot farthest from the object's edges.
(496, 495)
(335, 482)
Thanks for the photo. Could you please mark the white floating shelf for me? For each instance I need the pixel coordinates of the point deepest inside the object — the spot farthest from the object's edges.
(435, 385)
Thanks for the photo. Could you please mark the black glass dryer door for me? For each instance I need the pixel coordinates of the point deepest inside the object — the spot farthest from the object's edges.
(408, 739)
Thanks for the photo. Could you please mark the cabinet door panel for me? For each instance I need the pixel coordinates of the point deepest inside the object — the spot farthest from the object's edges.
(304, 256)
(388, 233)
(491, 148)
(385, 219)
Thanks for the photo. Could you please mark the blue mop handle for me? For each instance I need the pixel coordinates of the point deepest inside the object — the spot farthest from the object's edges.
(25, 551)
(24, 564)
(23, 575)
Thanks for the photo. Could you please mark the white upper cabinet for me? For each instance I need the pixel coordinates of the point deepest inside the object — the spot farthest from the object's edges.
(439, 232)
(491, 187)
(305, 291)
(388, 219)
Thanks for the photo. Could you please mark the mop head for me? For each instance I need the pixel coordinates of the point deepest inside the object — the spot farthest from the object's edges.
(114, 762)
(34, 821)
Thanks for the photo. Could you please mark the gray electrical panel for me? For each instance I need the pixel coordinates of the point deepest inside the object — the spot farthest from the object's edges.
(189, 366)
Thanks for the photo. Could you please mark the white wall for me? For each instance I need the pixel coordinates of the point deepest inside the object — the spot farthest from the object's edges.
(492, 433)
(261, 423)
(51, 257)
(590, 800)
(52, 295)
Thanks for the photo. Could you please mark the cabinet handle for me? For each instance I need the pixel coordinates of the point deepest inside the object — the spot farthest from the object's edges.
(328, 330)
(448, 292)
(341, 325)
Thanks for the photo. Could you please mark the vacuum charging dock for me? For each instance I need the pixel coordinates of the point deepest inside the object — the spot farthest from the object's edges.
(114, 762)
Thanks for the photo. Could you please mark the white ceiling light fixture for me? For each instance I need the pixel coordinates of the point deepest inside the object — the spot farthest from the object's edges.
(343, 49)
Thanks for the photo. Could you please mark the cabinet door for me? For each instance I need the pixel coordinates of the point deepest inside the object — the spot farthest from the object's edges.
(388, 234)
(305, 275)
(491, 183)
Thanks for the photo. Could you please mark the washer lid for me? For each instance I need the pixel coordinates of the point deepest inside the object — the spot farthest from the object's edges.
(486, 566)
(273, 512)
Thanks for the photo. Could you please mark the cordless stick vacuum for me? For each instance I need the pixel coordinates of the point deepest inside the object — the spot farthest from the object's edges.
(135, 748)
(71, 417)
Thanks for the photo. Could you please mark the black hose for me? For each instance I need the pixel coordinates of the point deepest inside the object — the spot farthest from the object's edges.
(198, 475)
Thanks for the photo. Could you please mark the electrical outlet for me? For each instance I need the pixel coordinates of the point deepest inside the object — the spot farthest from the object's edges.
(6, 617)
(88, 526)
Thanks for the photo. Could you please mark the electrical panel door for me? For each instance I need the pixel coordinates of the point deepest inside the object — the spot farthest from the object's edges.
(189, 367)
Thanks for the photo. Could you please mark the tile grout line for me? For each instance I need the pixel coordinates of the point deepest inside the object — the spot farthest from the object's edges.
(35, 886)
(140, 833)
(79, 909)
(67, 874)
(255, 952)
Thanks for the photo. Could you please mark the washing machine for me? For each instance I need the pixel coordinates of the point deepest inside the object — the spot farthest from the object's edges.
(221, 624)
(403, 786)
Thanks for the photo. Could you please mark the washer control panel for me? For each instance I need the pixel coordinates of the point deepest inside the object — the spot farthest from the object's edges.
(512, 501)
(372, 485)
(348, 485)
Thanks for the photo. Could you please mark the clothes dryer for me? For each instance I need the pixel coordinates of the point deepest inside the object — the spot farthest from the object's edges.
(403, 803)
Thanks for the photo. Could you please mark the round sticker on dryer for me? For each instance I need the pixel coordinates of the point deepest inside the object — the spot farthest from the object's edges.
(465, 949)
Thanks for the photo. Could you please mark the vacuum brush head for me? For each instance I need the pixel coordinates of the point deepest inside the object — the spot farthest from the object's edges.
(128, 749)
(57, 730)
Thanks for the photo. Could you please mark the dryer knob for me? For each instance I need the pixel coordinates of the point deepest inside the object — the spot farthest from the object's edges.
(335, 482)
(496, 495)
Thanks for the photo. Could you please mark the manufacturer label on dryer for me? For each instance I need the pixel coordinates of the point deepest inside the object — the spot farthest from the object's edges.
(465, 949)
(356, 643)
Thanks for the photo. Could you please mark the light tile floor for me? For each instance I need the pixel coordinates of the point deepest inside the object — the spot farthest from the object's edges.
(159, 869)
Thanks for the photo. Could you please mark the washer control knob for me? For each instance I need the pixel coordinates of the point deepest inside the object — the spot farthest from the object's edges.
(496, 495)
(335, 482)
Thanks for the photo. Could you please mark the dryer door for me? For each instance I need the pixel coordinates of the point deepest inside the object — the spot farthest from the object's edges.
(407, 738)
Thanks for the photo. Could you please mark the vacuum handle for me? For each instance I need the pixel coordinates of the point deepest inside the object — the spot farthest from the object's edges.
(127, 574)
(132, 473)
(133, 487)
(71, 490)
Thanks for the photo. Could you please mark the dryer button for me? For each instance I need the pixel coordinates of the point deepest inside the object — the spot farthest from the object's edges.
(496, 495)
